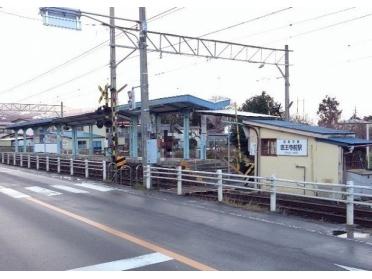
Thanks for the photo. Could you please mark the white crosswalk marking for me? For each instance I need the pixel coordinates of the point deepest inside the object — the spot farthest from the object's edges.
(70, 189)
(43, 191)
(94, 187)
(127, 264)
(13, 193)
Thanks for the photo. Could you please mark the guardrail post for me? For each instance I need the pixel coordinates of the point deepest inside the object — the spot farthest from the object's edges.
(29, 161)
(148, 177)
(71, 166)
(20, 160)
(273, 194)
(219, 184)
(58, 164)
(86, 168)
(14, 158)
(179, 180)
(47, 163)
(350, 208)
(37, 162)
(104, 171)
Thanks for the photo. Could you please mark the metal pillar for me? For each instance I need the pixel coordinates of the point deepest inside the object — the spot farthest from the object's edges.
(34, 135)
(286, 81)
(91, 150)
(133, 137)
(186, 135)
(158, 132)
(367, 151)
(145, 111)
(203, 138)
(113, 139)
(59, 140)
(16, 143)
(74, 142)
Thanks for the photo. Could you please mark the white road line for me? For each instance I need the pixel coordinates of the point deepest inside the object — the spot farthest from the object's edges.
(350, 268)
(70, 189)
(94, 187)
(43, 191)
(127, 264)
(13, 193)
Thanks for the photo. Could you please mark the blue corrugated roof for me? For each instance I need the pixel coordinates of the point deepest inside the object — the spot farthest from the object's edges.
(346, 141)
(32, 123)
(190, 100)
(303, 127)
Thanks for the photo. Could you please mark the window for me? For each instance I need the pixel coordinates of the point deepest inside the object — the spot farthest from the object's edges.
(268, 147)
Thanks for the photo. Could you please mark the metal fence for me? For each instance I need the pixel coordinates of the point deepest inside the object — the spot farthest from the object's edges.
(63, 165)
(348, 194)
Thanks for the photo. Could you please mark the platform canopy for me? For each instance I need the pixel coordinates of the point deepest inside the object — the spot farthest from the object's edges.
(240, 114)
(175, 104)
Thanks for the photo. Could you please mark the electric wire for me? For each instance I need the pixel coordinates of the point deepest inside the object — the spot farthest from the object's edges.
(81, 55)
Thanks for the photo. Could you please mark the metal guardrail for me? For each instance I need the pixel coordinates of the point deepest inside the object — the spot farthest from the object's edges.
(342, 193)
(84, 168)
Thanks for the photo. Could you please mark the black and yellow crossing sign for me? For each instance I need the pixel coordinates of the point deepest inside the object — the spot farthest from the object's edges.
(120, 162)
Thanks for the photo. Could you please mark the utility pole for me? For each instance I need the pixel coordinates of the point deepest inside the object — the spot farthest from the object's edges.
(286, 80)
(113, 139)
(145, 112)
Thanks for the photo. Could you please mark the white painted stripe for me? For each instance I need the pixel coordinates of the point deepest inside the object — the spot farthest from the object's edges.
(43, 191)
(70, 189)
(13, 193)
(94, 187)
(127, 264)
(349, 268)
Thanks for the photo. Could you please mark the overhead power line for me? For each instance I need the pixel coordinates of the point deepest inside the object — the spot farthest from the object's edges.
(81, 55)
(324, 27)
(298, 22)
(246, 21)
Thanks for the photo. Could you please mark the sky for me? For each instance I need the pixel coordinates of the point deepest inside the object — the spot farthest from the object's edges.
(332, 53)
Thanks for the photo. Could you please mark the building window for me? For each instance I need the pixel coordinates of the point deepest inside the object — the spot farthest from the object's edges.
(268, 147)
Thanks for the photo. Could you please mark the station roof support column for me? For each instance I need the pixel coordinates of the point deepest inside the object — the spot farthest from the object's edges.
(16, 143)
(90, 141)
(59, 140)
(74, 142)
(186, 135)
(133, 137)
(203, 137)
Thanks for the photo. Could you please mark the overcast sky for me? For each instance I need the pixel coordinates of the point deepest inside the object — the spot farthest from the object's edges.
(332, 54)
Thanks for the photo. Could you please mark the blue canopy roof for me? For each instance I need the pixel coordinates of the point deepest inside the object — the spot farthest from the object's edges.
(176, 104)
(346, 141)
(303, 127)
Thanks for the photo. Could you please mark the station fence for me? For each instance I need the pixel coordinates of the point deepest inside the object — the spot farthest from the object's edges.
(179, 178)
(348, 194)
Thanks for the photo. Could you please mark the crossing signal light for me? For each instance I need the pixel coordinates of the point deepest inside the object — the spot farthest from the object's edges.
(106, 111)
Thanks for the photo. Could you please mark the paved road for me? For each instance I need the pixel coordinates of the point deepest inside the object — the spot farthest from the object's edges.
(53, 223)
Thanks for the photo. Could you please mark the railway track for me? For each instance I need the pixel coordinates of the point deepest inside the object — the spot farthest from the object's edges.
(305, 207)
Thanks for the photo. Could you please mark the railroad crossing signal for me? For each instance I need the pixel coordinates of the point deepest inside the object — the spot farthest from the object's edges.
(120, 162)
(104, 94)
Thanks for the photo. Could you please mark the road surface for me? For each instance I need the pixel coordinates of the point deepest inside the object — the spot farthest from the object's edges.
(50, 222)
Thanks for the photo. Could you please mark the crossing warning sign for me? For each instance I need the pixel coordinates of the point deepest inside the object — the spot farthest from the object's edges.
(120, 162)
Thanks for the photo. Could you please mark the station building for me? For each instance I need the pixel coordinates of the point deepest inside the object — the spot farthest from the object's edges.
(301, 152)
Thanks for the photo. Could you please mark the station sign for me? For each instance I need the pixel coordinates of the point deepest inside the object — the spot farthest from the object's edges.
(291, 147)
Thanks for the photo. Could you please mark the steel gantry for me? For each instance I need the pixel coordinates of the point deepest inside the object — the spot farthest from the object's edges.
(43, 108)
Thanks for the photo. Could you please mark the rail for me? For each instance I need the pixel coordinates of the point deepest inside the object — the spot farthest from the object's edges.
(218, 181)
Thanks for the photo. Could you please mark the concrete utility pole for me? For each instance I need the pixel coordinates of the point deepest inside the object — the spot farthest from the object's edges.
(113, 139)
(145, 112)
(286, 81)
